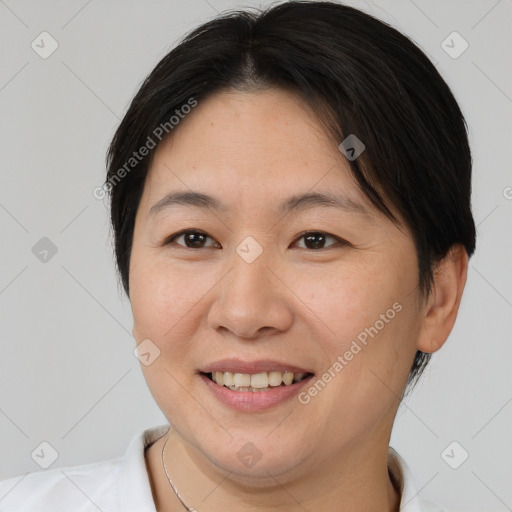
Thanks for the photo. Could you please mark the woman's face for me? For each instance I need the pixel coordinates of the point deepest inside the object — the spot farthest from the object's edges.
(330, 289)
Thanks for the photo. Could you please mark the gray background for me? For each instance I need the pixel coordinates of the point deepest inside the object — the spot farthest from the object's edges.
(68, 374)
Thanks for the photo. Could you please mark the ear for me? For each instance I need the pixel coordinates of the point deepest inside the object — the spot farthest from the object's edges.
(442, 305)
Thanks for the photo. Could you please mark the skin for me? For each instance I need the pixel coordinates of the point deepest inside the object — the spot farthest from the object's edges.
(294, 303)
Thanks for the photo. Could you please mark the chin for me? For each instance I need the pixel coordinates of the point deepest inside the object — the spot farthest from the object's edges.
(254, 460)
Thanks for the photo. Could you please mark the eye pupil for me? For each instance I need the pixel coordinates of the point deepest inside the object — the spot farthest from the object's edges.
(316, 243)
(196, 238)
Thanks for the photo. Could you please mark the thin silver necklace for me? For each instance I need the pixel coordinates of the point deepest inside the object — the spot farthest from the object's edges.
(190, 509)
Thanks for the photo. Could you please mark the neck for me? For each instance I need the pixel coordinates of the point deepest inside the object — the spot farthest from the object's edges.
(357, 480)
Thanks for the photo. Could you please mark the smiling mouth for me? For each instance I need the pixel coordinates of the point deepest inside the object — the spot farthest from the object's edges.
(263, 381)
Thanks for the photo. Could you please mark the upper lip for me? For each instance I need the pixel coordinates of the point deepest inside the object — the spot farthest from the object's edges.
(262, 365)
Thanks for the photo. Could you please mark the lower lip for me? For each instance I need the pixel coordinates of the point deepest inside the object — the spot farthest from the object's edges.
(253, 401)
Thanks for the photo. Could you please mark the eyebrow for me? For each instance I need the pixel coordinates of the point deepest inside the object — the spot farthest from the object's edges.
(299, 202)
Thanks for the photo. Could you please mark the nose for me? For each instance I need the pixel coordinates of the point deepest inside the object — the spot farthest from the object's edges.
(252, 299)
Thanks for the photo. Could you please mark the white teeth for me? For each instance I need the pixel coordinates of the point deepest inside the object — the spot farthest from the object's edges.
(287, 378)
(242, 380)
(256, 381)
(259, 380)
(275, 378)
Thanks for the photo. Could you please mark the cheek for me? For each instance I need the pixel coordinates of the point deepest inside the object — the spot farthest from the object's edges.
(370, 319)
(165, 301)
(348, 299)
(164, 307)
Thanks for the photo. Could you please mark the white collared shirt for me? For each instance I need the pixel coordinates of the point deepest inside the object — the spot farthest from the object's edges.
(122, 484)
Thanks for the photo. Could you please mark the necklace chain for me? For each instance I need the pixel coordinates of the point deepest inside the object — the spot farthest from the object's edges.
(190, 509)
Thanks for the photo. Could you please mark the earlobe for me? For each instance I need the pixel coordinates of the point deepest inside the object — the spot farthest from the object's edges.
(442, 306)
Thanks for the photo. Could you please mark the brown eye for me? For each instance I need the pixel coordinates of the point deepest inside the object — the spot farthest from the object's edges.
(192, 239)
(316, 239)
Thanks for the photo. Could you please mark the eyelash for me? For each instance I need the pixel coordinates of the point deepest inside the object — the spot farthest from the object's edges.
(169, 240)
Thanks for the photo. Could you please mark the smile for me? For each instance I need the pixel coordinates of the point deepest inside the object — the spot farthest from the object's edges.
(276, 388)
(262, 381)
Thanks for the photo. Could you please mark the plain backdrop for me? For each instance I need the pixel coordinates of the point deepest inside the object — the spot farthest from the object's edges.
(68, 373)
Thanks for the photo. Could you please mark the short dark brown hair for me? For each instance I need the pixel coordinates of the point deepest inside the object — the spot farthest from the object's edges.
(359, 75)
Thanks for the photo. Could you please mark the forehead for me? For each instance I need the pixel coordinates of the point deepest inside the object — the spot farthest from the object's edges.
(251, 147)
(257, 132)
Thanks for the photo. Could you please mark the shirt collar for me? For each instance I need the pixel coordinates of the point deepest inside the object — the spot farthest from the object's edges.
(133, 486)
(401, 474)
